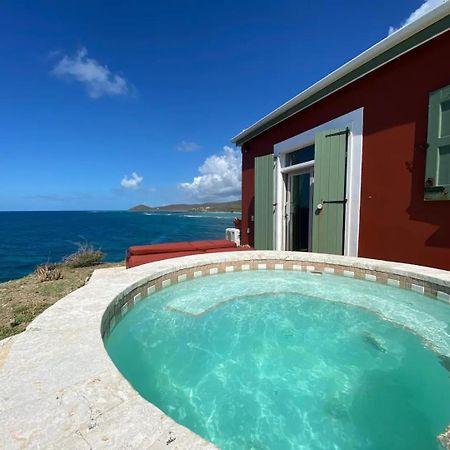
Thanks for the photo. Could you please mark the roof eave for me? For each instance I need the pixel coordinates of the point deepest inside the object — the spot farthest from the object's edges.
(389, 42)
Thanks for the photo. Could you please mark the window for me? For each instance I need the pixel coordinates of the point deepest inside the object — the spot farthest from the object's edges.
(437, 170)
(300, 156)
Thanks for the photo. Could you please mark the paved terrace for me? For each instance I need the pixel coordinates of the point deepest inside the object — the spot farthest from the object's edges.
(59, 388)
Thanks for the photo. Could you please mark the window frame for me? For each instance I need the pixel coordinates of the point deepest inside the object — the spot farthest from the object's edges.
(433, 190)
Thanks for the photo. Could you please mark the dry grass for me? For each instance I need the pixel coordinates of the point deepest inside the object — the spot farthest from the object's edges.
(48, 272)
(86, 255)
(23, 299)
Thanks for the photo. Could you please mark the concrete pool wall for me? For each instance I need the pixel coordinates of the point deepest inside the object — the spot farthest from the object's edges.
(59, 388)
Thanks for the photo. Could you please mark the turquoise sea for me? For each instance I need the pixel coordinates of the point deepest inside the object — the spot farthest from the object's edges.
(31, 238)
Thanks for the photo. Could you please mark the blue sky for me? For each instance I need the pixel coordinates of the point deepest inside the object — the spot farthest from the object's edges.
(108, 104)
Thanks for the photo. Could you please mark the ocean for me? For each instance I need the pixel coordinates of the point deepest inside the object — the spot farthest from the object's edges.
(31, 238)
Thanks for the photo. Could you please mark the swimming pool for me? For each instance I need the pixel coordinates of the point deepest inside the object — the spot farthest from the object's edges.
(275, 359)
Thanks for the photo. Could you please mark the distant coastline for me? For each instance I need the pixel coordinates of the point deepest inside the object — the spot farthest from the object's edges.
(234, 206)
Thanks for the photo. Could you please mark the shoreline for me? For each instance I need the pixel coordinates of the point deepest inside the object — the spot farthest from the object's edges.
(105, 264)
(33, 238)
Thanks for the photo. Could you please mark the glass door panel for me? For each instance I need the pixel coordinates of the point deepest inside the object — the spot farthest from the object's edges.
(300, 211)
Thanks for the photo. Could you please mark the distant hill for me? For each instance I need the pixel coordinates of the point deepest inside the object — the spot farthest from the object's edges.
(234, 206)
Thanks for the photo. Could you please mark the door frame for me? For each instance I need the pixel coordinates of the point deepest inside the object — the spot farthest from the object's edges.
(288, 231)
(354, 122)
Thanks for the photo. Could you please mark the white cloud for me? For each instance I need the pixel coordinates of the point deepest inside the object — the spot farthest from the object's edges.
(220, 177)
(97, 78)
(423, 9)
(133, 182)
(185, 146)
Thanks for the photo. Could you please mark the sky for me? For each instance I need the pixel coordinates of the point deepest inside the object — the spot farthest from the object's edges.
(105, 105)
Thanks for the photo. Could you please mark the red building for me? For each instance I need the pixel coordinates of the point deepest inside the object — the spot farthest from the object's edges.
(359, 163)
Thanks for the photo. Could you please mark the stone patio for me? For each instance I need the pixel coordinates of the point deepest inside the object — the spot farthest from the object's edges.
(59, 388)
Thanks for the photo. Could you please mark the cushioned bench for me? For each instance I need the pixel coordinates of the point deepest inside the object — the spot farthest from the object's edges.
(142, 254)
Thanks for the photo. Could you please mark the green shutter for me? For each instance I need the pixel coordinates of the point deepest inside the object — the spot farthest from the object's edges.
(437, 170)
(329, 191)
(264, 203)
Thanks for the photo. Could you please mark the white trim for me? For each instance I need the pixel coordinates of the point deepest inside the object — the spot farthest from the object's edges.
(280, 196)
(298, 167)
(390, 41)
(354, 122)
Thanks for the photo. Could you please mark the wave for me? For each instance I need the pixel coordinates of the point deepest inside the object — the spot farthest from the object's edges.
(206, 216)
(191, 216)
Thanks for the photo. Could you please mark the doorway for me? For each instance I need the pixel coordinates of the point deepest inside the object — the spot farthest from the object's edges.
(299, 211)
(335, 186)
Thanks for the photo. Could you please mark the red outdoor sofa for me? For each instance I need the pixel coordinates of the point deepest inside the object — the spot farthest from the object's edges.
(142, 254)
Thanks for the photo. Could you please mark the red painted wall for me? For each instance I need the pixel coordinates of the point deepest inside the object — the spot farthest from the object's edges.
(395, 222)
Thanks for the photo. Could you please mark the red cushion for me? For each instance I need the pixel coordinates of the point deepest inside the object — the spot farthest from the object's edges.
(208, 245)
(161, 248)
(137, 260)
(179, 247)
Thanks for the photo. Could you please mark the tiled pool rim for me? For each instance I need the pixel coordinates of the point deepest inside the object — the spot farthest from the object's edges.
(59, 389)
(416, 282)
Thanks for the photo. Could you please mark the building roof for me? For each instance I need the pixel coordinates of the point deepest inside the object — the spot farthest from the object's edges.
(401, 41)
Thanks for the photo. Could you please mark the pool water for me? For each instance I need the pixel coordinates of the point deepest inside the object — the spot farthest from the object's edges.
(290, 360)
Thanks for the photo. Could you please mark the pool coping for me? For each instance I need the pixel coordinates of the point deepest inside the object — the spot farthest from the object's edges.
(59, 388)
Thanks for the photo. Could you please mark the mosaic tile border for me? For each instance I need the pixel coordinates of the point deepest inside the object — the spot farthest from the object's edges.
(126, 301)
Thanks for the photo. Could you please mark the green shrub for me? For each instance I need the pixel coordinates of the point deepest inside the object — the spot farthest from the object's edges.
(86, 255)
